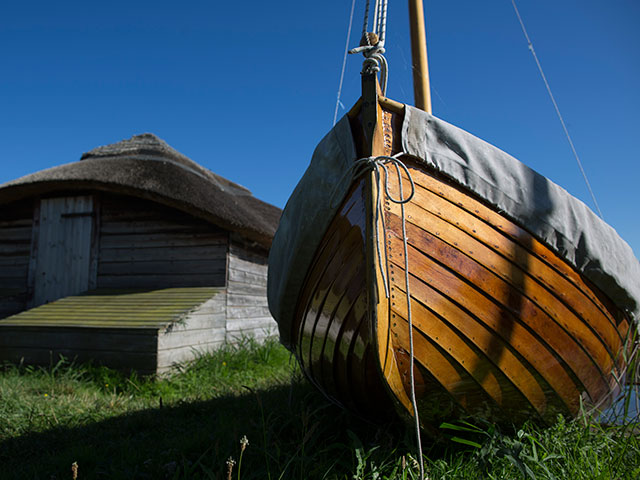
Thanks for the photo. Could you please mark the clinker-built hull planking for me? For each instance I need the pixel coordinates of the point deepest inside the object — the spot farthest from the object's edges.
(503, 328)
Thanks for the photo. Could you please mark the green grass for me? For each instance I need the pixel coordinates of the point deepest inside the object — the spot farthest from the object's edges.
(187, 426)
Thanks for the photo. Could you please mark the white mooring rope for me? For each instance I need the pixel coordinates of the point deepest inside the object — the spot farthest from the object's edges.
(376, 62)
(357, 169)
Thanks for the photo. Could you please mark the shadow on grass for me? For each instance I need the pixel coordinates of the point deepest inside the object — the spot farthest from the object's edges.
(293, 432)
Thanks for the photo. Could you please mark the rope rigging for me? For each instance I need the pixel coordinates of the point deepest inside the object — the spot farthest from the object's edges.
(372, 42)
(555, 106)
(344, 61)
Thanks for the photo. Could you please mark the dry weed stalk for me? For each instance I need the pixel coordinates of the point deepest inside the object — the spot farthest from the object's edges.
(230, 463)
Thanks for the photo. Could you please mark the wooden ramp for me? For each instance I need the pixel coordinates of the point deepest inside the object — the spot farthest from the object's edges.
(142, 330)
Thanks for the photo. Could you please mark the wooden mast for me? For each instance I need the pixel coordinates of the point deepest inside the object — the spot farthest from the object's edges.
(421, 91)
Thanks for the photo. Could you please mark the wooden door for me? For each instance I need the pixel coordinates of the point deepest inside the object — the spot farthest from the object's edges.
(61, 253)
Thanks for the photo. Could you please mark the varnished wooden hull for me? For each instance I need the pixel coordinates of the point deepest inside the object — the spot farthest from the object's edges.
(503, 328)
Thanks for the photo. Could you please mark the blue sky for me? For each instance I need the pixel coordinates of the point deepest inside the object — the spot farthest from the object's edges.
(248, 89)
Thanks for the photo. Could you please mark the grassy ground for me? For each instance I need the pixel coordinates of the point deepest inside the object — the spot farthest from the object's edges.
(190, 425)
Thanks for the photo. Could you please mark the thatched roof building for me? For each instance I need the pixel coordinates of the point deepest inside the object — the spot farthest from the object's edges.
(146, 167)
(84, 245)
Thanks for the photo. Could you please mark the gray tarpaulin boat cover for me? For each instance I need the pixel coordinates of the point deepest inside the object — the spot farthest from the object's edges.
(549, 212)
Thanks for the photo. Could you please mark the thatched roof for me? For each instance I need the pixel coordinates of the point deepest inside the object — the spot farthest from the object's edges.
(145, 166)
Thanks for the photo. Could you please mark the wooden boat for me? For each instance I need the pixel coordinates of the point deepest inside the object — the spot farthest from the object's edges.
(501, 323)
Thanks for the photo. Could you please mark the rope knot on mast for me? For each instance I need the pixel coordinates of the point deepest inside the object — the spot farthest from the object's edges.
(374, 62)
(372, 43)
(368, 39)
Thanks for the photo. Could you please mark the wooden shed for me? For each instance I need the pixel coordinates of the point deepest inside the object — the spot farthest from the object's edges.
(135, 257)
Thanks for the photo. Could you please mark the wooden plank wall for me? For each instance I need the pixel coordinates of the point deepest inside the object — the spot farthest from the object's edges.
(15, 244)
(147, 245)
(247, 310)
(121, 348)
(202, 330)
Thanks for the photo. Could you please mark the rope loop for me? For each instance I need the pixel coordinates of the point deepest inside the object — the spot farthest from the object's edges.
(382, 162)
(374, 62)
(377, 164)
(363, 165)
